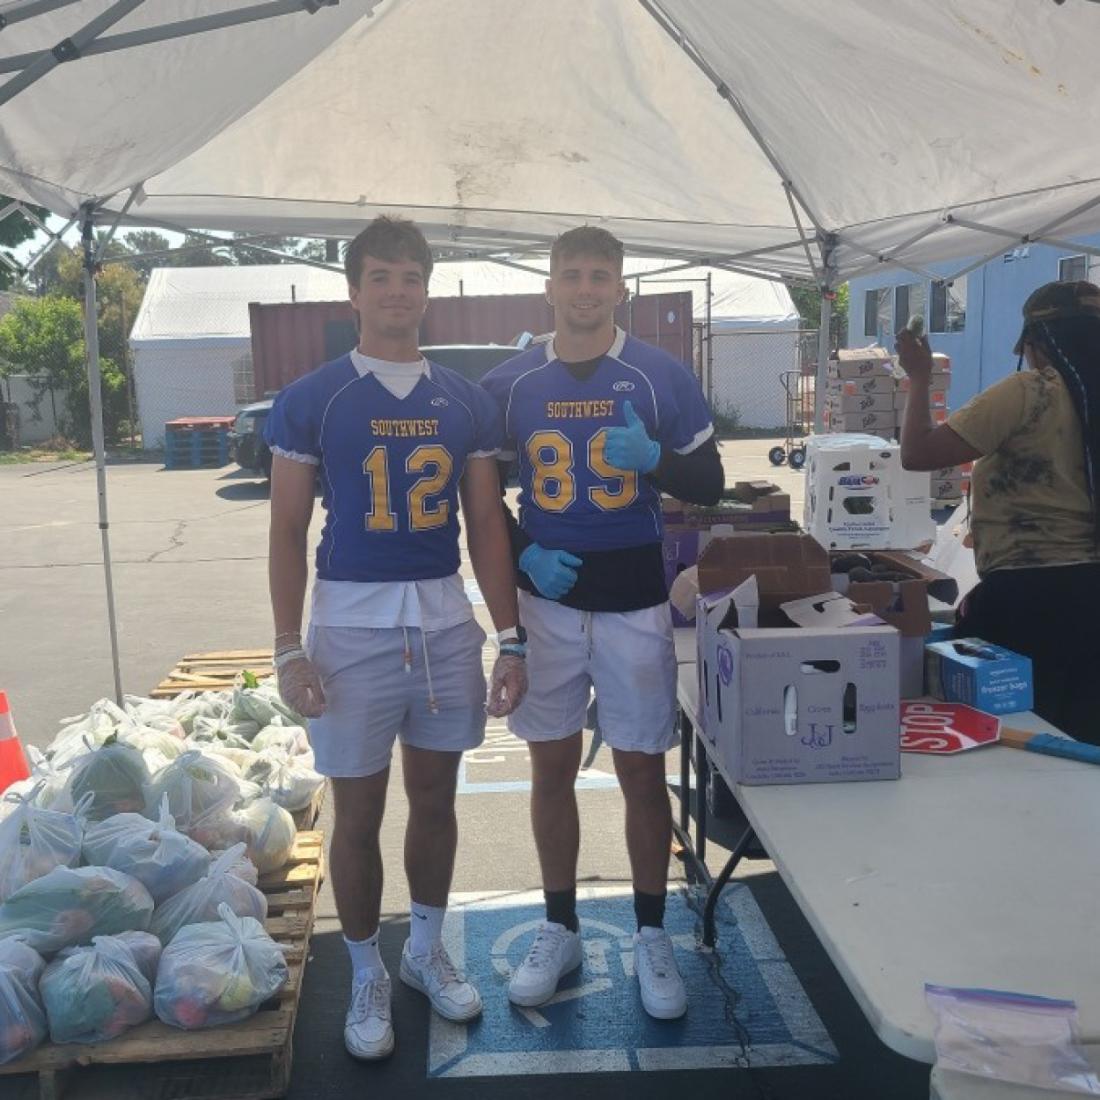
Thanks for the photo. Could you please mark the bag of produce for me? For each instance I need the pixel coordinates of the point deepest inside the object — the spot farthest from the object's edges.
(270, 831)
(70, 905)
(293, 740)
(115, 774)
(160, 857)
(200, 792)
(199, 902)
(146, 949)
(95, 993)
(242, 867)
(34, 841)
(218, 972)
(22, 1017)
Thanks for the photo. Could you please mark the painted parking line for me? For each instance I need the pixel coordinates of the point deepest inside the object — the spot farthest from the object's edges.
(595, 1023)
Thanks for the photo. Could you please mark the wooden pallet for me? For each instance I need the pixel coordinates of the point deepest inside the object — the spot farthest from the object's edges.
(246, 1061)
(213, 671)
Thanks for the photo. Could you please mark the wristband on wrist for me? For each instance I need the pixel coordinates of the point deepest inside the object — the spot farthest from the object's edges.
(285, 656)
(296, 635)
(515, 649)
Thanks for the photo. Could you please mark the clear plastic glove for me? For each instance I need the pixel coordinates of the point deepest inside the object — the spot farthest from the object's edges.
(507, 685)
(630, 448)
(300, 687)
(554, 572)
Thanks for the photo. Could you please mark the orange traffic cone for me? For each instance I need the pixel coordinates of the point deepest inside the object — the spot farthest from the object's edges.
(13, 764)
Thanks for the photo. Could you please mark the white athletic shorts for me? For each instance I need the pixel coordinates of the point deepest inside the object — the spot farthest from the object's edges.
(370, 698)
(626, 657)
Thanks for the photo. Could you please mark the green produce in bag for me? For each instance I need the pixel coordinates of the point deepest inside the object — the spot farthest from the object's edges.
(115, 774)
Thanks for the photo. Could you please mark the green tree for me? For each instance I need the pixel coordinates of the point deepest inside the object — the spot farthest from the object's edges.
(807, 300)
(14, 230)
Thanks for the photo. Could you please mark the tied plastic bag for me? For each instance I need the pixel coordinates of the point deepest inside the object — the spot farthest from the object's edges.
(293, 740)
(1010, 1037)
(199, 902)
(70, 905)
(218, 972)
(200, 791)
(115, 775)
(146, 949)
(95, 993)
(34, 841)
(270, 832)
(162, 859)
(242, 867)
(22, 1017)
(286, 779)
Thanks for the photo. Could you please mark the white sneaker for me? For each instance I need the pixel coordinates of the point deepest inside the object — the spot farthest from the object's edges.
(663, 994)
(436, 977)
(555, 952)
(368, 1028)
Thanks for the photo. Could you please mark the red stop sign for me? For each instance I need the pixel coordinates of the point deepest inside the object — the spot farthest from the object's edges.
(932, 726)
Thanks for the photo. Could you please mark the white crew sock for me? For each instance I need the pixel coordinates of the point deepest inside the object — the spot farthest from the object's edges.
(366, 961)
(425, 927)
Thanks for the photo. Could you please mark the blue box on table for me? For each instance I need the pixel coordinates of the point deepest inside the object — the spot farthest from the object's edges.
(980, 674)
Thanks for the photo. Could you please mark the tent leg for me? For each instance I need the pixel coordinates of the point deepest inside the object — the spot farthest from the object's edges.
(95, 397)
(822, 360)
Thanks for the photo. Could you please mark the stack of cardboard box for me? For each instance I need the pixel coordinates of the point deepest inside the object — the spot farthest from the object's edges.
(860, 394)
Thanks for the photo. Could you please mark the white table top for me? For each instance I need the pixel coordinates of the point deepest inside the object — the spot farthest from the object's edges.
(981, 869)
(949, 1084)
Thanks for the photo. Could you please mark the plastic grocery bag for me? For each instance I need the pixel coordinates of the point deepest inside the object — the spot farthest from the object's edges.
(34, 841)
(95, 993)
(1013, 1037)
(160, 857)
(22, 1017)
(287, 779)
(115, 774)
(270, 833)
(70, 905)
(200, 791)
(242, 867)
(146, 949)
(199, 902)
(293, 740)
(218, 972)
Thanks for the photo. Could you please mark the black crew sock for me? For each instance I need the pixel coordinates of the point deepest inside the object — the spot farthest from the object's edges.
(561, 907)
(649, 909)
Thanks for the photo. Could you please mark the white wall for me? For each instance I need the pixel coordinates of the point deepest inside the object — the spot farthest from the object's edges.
(32, 431)
(175, 378)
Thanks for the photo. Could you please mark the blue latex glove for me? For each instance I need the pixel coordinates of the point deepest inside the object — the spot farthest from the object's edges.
(630, 448)
(553, 571)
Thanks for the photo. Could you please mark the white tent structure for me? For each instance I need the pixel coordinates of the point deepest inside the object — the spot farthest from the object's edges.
(191, 340)
(793, 140)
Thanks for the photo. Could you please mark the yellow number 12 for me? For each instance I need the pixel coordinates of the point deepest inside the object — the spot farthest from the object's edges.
(424, 513)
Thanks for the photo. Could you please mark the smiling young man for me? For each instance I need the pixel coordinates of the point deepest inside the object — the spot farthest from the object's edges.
(600, 424)
(393, 648)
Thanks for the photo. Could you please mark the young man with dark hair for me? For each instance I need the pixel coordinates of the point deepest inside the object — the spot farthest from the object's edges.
(393, 649)
(600, 424)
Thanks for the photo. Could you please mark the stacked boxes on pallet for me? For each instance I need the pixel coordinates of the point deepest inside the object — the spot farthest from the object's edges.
(860, 392)
(194, 441)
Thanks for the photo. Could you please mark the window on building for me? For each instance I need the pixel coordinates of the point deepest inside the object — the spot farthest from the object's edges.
(909, 301)
(1073, 269)
(948, 312)
(878, 316)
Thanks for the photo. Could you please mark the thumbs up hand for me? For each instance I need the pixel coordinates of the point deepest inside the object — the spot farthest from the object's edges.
(630, 448)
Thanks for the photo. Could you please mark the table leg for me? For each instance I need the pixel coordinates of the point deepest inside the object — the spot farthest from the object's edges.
(702, 773)
(743, 841)
(687, 733)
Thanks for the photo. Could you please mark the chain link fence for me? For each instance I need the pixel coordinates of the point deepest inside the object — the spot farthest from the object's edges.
(742, 374)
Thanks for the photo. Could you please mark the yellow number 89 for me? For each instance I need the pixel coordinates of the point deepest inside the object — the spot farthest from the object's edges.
(553, 486)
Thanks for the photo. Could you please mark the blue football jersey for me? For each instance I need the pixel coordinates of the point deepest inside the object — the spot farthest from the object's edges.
(571, 497)
(389, 466)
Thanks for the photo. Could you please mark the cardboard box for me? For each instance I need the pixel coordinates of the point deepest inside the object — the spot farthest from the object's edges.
(871, 383)
(985, 676)
(861, 402)
(952, 488)
(749, 505)
(872, 422)
(861, 362)
(938, 381)
(796, 704)
(902, 604)
(937, 399)
(859, 497)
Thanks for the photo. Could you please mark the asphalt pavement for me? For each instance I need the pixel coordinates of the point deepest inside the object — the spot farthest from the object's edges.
(769, 1016)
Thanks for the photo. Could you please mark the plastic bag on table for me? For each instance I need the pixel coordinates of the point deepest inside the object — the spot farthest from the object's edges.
(22, 1017)
(271, 833)
(146, 949)
(218, 972)
(242, 867)
(293, 740)
(115, 774)
(199, 902)
(70, 905)
(46, 785)
(199, 790)
(95, 993)
(1013, 1037)
(34, 841)
(287, 779)
(160, 857)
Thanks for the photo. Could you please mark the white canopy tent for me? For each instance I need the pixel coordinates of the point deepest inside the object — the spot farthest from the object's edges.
(792, 140)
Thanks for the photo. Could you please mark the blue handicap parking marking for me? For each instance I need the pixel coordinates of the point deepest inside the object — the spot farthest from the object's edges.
(595, 1022)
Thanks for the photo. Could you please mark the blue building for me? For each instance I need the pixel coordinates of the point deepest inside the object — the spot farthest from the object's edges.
(976, 319)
